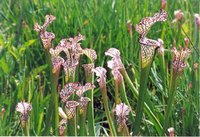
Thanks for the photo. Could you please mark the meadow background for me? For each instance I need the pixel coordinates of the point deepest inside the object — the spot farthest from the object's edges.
(23, 69)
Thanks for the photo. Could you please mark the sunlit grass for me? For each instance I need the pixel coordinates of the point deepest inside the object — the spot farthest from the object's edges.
(24, 71)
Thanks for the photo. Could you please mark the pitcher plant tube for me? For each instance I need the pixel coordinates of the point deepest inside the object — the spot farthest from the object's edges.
(178, 64)
(101, 73)
(147, 52)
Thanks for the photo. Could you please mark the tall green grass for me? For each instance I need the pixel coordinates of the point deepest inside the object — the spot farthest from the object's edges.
(24, 72)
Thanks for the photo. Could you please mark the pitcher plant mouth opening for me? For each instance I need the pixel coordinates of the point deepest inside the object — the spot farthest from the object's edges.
(179, 57)
(122, 112)
(148, 46)
(71, 109)
(24, 108)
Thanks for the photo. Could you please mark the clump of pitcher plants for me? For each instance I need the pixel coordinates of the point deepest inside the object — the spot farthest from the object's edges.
(71, 108)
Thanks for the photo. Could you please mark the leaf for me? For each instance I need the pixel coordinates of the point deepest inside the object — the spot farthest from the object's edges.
(13, 51)
(30, 42)
(4, 66)
(185, 29)
(26, 45)
(38, 70)
(7, 63)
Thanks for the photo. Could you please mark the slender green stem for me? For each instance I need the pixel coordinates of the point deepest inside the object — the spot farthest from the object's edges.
(125, 99)
(106, 107)
(41, 116)
(72, 127)
(25, 129)
(184, 129)
(82, 124)
(90, 111)
(179, 32)
(162, 69)
(147, 109)
(170, 102)
(126, 132)
(52, 113)
(90, 114)
(119, 86)
(1, 127)
(153, 118)
(129, 82)
(117, 99)
(131, 43)
(55, 102)
(143, 89)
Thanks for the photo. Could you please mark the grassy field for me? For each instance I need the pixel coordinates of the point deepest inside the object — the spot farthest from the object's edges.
(25, 72)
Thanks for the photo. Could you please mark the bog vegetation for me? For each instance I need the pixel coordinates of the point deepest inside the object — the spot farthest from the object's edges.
(91, 68)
